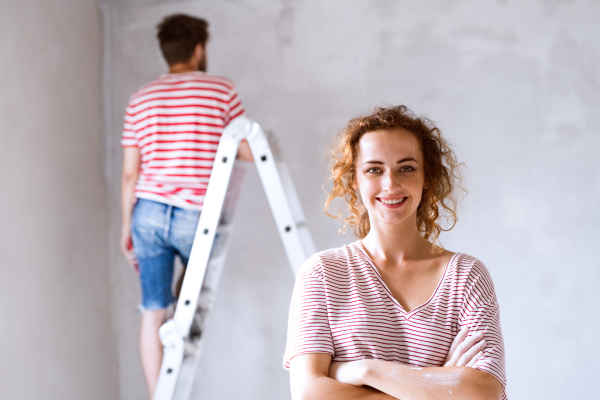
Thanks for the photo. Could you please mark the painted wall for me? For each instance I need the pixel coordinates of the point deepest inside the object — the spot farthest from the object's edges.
(513, 84)
(56, 338)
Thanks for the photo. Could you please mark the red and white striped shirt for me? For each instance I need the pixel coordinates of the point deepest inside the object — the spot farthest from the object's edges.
(177, 121)
(341, 306)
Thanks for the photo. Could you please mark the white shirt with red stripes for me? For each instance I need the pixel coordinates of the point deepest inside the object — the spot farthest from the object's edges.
(177, 121)
(341, 306)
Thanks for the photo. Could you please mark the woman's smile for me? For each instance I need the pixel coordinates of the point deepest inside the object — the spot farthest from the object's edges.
(392, 202)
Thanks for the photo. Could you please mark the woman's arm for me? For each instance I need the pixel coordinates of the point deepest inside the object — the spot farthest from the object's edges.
(404, 381)
(309, 379)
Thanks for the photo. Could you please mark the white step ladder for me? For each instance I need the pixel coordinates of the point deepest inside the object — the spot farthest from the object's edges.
(182, 336)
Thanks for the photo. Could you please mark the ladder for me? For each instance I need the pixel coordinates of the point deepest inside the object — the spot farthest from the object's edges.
(182, 336)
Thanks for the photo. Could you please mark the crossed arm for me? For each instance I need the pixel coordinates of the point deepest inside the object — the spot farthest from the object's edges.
(315, 377)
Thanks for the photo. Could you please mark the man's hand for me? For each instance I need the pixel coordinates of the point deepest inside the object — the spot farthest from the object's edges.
(244, 152)
(131, 171)
(127, 250)
(465, 352)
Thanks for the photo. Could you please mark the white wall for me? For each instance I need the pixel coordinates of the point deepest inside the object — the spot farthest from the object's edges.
(514, 85)
(56, 338)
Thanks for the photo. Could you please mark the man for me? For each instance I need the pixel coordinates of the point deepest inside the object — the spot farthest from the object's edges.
(171, 134)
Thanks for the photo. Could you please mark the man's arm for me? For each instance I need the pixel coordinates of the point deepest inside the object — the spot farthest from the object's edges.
(309, 379)
(244, 152)
(403, 381)
(131, 171)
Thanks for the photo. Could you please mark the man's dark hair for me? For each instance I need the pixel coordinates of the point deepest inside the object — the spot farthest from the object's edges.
(179, 34)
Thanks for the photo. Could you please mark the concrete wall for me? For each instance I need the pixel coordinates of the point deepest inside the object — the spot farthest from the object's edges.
(514, 85)
(56, 338)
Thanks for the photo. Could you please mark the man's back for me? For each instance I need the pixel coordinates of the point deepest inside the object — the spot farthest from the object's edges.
(173, 126)
(177, 121)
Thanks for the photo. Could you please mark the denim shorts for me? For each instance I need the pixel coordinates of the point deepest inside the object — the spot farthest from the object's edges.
(160, 232)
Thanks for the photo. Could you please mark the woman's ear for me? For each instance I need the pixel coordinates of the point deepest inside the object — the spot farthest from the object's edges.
(354, 180)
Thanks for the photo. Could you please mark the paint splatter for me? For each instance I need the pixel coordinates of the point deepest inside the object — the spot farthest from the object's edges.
(447, 379)
(450, 391)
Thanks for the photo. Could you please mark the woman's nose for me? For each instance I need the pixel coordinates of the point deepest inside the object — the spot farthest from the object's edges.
(390, 181)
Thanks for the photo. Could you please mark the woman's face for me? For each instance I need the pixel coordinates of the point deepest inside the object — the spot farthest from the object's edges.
(390, 176)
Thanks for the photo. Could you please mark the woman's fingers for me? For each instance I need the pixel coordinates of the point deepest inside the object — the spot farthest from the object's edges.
(469, 354)
(347, 372)
(462, 334)
(463, 347)
(475, 359)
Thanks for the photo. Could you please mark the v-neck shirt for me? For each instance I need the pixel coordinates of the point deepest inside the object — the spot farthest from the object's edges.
(341, 306)
(392, 297)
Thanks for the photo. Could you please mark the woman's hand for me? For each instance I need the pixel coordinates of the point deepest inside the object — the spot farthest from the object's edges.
(351, 372)
(465, 352)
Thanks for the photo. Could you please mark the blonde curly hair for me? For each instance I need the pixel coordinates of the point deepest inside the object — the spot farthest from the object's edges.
(442, 171)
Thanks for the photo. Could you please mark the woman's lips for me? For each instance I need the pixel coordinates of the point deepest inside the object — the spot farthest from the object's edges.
(392, 202)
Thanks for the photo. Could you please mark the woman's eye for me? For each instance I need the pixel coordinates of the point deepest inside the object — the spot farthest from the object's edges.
(373, 170)
(406, 168)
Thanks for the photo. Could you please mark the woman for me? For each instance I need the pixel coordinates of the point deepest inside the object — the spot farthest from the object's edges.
(387, 316)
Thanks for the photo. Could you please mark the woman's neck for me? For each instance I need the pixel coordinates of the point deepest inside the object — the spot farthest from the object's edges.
(397, 243)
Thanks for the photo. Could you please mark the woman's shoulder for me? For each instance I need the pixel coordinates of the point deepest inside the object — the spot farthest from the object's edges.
(471, 275)
(465, 264)
(333, 260)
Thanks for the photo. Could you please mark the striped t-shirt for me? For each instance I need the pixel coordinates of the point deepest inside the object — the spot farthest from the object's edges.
(341, 306)
(177, 121)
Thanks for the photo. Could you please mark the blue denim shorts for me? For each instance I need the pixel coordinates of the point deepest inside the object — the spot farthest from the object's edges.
(160, 232)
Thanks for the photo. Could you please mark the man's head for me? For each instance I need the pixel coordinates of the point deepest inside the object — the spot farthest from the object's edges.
(179, 36)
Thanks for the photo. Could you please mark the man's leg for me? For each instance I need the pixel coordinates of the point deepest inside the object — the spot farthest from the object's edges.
(151, 349)
(183, 229)
(150, 227)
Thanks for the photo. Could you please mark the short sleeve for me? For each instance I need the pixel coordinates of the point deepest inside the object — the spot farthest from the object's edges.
(235, 108)
(128, 138)
(308, 325)
(481, 313)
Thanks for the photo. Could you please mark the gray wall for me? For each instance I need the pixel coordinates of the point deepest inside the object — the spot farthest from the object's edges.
(514, 85)
(56, 339)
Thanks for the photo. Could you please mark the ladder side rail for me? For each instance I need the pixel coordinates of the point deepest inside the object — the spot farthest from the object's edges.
(296, 206)
(294, 234)
(187, 373)
(174, 331)
(290, 191)
(171, 362)
(278, 201)
(205, 233)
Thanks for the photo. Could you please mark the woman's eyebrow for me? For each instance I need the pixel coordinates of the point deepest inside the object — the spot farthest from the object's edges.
(372, 162)
(406, 159)
(397, 162)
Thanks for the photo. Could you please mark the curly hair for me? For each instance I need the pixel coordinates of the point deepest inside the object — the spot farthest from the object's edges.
(442, 171)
